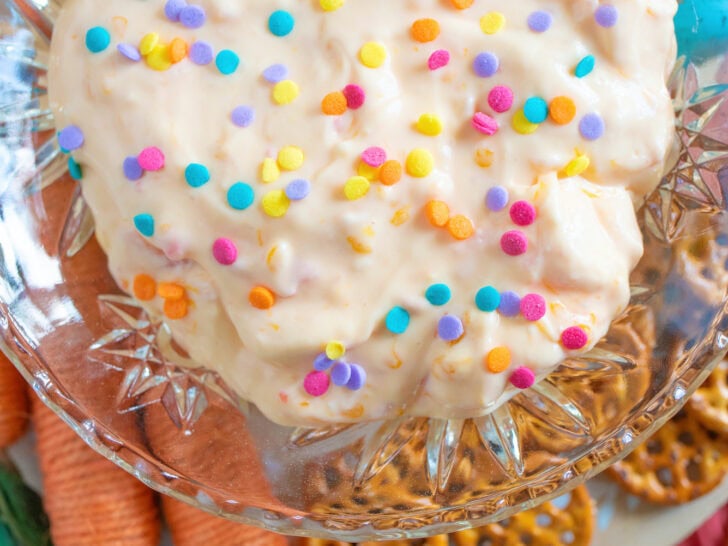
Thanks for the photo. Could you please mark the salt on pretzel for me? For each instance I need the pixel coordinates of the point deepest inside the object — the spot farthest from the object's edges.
(709, 404)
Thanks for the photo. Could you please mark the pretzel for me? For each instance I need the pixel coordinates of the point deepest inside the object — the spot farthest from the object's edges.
(709, 404)
(681, 462)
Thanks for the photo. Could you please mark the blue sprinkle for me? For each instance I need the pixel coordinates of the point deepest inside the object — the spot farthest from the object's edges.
(486, 64)
(144, 224)
(487, 299)
(227, 62)
(74, 169)
(398, 320)
(192, 16)
(202, 53)
(510, 304)
(173, 8)
(341, 374)
(275, 73)
(240, 196)
(71, 138)
(438, 294)
(197, 175)
(358, 378)
(132, 170)
(450, 328)
(281, 23)
(585, 66)
(97, 39)
(298, 190)
(591, 126)
(497, 198)
(536, 110)
(322, 363)
(243, 116)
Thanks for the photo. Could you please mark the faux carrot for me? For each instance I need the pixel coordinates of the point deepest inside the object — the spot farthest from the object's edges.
(14, 410)
(89, 500)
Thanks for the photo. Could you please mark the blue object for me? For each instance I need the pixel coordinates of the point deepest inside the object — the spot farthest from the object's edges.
(227, 62)
(585, 66)
(487, 299)
(197, 175)
(397, 320)
(281, 23)
(97, 39)
(438, 294)
(144, 224)
(74, 169)
(240, 196)
(701, 28)
(536, 110)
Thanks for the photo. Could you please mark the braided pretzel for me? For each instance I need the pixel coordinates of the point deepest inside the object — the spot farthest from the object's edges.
(709, 404)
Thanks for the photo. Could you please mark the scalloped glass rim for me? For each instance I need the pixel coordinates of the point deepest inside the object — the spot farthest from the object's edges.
(542, 444)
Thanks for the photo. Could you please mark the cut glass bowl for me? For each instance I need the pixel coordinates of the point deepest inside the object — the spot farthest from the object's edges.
(121, 382)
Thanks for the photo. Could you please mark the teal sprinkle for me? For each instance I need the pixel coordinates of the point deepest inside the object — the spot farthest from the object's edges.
(144, 224)
(398, 320)
(585, 66)
(197, 175)
(97, 39)
(487, 299)
(281, 23)
(240, 196)
(438, 294)
(227, 62)
(74, 169)
(536, 110)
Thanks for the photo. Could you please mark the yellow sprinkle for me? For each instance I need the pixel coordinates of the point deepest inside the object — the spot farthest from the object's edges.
(335, 350)
(356, 188)
(420, 163)
(269, 171)
(373, 54)
(148, 43)
(400, 217)
(331, 5)
(522, 125)
(276, 203)
(285, 92)
(367, 171)
(290, 158)
(159, 58)
(359, 247)
(429, 124)
(492, 22)
(577, 166)
(484, 157)
(354, 413)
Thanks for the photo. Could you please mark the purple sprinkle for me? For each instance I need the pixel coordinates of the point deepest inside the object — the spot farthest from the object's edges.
(591, 126)
(132, 170)
(298, 190)
(486, 64)
(606, 16)
(173, 8)
(71, 138)
(510, 304)
(497, 198)
(322, 363)
(192, 16)
(540, 21)
(201, 53)
(130, 52)
(450, 328)
(243, 116)
(275, 73)
(341, 374)
(358, 377)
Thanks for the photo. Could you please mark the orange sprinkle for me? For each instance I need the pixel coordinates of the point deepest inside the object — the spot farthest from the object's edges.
(562, 110)
(400, 217)
(425, 30)
(462, 4)
(145, 287)
(334, 104)
(176, 309)
(262, 298)
(484, 157)
(498, 360)
(171, 291)
(359, 247)
(354, 413)
(461, 227)
(177, 50)
(438, 213)
(391, 172)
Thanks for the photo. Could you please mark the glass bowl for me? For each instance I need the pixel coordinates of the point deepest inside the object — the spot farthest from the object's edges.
(121, 382)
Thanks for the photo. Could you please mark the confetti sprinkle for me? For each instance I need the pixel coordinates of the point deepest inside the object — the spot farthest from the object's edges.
(173, 9)
(130, 52)
(450, 328)
(370, 173)
(151, 159)
(460, 227)
(493, 22)
(341, 374)
(438, 213)
(438, 294)
(420, 163)
(240, 196)
(132, 170)
(334, 104)
(269, 171)
(291, 158)
(574, 338)
(74, 169)
(487, 299)
(562, 110)
(373, 54)
(227, 62)
(577, 166)
(591, 127)
(429, 124)
(498, 360)
(144, 223)
(358, 378)
(398, 320)
(536, 110)
(281, 23)
(335, 350)
(192, 16)
(374, 156)
(276, 203)
(540, 21)
(178, 50)
(510, 304)
(514, 243)
(148, 43)
(322, 363)
(500, 98)
(606, 15)
(71, 138)
(97, 39)
(390, 173)
(331, 5)
(438, 59)
(262, 298)
(176, 309)
(533, 307)
(355, 96)
(356, 188)
(285, 92)
(486, 64)
(225, 251)
(497, 198)
(521, 124)
(201, 53)
(484, 124)
(298, 190)
(316, 384)
(522, 378)
(425, 30)
(197, 175)
(145, 287)
(585, 66)
(461, 4)
(484, 157)
(523, 213)
(243, 116)
(275, 73)
(159, 59)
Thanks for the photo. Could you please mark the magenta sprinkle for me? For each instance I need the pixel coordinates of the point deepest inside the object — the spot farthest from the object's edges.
(355, 96)
(533, 307)
(225, 251)
(500, 98)
(514, 243)
(484, 124)
(316, 383)
(522, 378)
(151, 159)
(374, 156)
(439, 59)
(574, 338)
(523, 213)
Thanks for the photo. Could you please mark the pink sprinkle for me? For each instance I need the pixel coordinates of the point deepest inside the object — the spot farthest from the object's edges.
(439, 59)
(514, 243)
(574, 338)
(485, 124)
(522, 378)
(523, 213)
(225, 251)
(500, 98)
(374, 156)
(151, 159)
(355, 96)
(316, 383)
(533, 307)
